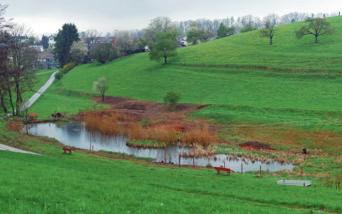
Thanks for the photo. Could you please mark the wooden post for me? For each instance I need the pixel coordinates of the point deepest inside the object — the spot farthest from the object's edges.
(260, 171)
(241, 168)
(193, 161)
(164, 155)
(179, 160)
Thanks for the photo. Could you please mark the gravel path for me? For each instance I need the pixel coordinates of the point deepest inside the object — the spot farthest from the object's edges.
(12, 149)
(39, 93)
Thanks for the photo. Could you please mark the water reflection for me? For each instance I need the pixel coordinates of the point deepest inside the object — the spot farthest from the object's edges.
(74, 134)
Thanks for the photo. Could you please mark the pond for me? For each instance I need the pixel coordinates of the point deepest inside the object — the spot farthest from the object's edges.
(75, 134)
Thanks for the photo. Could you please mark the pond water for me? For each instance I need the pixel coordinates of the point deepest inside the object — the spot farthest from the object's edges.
(75, 134)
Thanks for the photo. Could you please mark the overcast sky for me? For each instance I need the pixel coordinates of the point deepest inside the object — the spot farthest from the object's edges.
(47, 16)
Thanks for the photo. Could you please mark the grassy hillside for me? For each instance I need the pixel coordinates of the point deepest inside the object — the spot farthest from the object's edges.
(294, 83)
(287, 51)
(41, 77)
(83, 183)
(250, 87)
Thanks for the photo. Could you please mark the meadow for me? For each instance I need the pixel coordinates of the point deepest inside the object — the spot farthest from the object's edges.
(92, 183)
(286, 95)
(240, 77)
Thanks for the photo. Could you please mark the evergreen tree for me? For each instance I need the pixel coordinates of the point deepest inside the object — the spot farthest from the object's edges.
(224, 31)
(45, 42)
(64, 40)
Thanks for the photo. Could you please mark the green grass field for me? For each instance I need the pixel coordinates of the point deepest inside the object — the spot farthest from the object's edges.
(236, 96)
(82, 183)
(239, 92)
(41, 77)
(294, 85)
(288, 52)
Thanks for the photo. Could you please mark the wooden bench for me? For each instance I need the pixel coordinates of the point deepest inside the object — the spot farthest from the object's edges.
(222, 169)
(68, 150)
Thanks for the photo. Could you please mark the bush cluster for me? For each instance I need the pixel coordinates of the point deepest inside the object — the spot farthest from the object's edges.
(66, 68)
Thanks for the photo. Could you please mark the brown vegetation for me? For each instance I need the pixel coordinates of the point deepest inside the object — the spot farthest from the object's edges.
(15, 125)
(150, 121)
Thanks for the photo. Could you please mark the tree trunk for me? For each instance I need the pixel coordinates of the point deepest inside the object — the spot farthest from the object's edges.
(11, 100)
(3, 105)
(103, 97)
(165, 56)
(19, 98)
(271, 40)
(316, 38)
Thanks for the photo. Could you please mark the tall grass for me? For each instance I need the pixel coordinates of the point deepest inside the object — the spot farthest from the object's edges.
(113, 123)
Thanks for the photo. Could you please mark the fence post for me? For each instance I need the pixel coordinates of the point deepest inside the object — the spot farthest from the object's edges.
(164, 155)
(260, 171)
(241, 168)
(179, 160)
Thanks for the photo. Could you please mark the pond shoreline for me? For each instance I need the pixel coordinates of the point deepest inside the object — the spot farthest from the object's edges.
(74, 134)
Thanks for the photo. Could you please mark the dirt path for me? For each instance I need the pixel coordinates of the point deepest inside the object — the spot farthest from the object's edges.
(12, 149)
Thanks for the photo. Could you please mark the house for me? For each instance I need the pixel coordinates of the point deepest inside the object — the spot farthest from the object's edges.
(46, 60)
(38, 48)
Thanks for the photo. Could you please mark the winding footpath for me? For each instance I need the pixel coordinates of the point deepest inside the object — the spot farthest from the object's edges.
(26, 106)
(39, 93)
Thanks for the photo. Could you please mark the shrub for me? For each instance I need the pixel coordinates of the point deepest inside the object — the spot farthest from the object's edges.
(171, 99)
(103, 53)
(68, 67)
(59, 75)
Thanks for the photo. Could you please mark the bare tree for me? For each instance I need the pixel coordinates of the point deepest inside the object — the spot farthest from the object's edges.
(23, 62)
(315, 27)
(3, 70)
(270, 23)
(4, 23)
(90, 37)
(293, 17)
(5, 80)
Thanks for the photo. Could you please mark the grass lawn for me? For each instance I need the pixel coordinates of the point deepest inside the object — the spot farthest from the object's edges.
(294, 85)
(57, 183)
(306, 97)
(248, 49)
(234, 96)
(40, 78)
